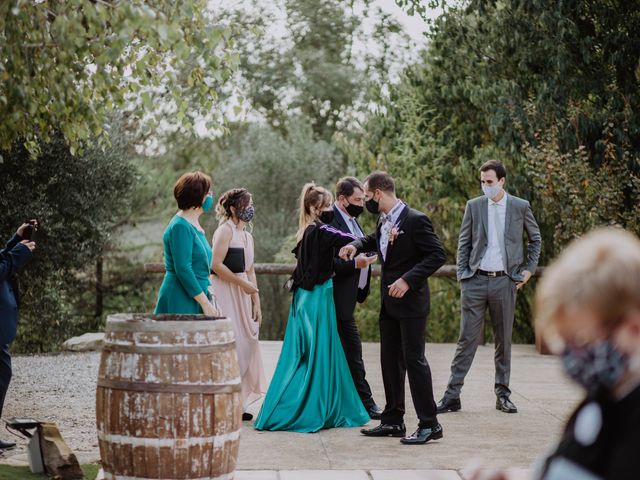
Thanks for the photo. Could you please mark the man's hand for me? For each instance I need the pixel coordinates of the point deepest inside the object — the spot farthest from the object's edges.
(22, 227)
(29, 244)
(527, 275)
(348, 252)
(398, 288)
(363, 261)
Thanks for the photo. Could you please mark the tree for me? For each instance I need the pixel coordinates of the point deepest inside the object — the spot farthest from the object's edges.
(65, 65)
(78, 200)
(318, 68)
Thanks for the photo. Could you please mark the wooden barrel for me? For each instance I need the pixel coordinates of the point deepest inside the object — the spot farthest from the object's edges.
(168, 400)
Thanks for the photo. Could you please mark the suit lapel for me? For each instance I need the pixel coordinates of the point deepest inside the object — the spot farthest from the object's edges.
(378, 236)
(398, 225)
(507, 217)
(339, 220)
(484, 214)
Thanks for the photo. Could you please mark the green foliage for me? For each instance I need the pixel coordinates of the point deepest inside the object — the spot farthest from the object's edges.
(8, 472)
(77, 200)
(314, 69)
(549, 88)
(65, 66)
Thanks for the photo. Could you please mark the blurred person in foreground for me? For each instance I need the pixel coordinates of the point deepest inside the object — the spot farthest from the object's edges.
(17, 253)
(588, 309)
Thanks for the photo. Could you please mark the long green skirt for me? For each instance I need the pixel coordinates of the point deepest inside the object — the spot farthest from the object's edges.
(312, 386)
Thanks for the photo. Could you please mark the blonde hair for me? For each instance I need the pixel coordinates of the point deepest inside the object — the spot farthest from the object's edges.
(312, 197)
(600, 272)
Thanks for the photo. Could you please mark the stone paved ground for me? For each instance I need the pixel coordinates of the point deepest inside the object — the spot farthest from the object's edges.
(61, 388)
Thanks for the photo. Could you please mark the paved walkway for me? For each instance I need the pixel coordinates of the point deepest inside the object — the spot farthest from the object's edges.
(61, 388)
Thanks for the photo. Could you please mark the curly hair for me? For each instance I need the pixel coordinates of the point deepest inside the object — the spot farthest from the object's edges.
(237, 198)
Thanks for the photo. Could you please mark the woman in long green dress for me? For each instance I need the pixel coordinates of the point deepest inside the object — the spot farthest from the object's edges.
(312, 387)
(187, 254)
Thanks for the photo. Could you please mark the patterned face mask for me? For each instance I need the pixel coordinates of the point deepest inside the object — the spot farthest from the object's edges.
(247, 214)
(597, 367)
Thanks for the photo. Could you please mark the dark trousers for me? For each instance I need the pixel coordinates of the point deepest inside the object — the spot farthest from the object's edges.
(352, 346)
(5, 373)
(402, 348)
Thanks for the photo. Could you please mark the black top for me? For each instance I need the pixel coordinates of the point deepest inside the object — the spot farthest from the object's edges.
(415, 255)
(601, 437)
(347, 276)
(314, 255)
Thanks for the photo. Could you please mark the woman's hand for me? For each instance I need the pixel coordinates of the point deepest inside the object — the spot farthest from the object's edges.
(249, 288)
(257, 310)
(210, 311)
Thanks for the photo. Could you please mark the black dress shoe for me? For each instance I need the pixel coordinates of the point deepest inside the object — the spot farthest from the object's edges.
(385, 430)
(423, 435)
(503, 403)
(246, 417)
(449, 405)
(375, 412)
(6, 445)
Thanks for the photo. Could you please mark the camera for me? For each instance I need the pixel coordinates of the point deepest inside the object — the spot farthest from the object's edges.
(29, 231)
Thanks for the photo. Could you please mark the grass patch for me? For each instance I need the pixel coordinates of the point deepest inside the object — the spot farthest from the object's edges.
(8, 472)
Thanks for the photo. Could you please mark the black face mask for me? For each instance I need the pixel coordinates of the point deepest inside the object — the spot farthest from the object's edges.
(326, 216)
(372, 206)
(354, 210)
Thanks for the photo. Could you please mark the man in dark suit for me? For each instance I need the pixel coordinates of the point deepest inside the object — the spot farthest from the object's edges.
(410, 252)
(491, 268)
(12, 258)
(351, 284)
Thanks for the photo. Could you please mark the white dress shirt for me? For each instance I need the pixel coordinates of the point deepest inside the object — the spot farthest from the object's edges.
(389, 221)
(492, 260)
(355, 230)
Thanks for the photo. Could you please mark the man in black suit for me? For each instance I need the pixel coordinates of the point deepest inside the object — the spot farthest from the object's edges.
(351, 284)
(12, 258)
(410, 252)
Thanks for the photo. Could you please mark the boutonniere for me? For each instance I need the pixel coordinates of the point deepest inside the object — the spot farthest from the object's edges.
(394, 233)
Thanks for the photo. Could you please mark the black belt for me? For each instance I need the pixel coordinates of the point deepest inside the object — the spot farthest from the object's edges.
(492, 274)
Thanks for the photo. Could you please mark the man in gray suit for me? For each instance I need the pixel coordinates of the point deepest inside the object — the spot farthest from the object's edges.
(491, 269)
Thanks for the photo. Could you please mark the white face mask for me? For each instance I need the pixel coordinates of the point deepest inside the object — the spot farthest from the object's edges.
(492, 192)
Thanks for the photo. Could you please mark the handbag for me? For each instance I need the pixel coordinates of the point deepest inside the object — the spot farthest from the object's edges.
(234, 260)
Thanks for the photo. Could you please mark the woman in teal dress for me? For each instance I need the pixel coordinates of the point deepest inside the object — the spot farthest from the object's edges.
(187, 254)
(312, 387)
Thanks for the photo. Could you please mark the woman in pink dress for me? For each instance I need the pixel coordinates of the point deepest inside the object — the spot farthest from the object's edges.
(235, 288)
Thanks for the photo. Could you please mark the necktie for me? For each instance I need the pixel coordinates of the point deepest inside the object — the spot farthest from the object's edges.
(364, 273)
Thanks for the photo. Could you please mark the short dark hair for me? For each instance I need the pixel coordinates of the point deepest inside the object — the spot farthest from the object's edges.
(496, 166)
(190, 189)
(379, 180)
(347, 185)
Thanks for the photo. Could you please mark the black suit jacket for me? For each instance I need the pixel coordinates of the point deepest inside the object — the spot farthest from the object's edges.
(415, 255)
(12, 259)
(347, 276)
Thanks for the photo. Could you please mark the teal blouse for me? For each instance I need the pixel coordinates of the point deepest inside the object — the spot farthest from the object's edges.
(187, 258)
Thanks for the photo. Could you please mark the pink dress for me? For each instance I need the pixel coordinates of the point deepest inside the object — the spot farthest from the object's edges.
(236, 305)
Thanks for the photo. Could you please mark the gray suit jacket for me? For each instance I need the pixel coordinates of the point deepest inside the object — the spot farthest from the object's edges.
(473, 240)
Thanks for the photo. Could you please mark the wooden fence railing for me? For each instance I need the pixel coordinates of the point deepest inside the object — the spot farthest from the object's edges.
(287, 269)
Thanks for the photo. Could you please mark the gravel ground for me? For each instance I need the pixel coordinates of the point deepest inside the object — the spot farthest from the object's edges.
(57, 388)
